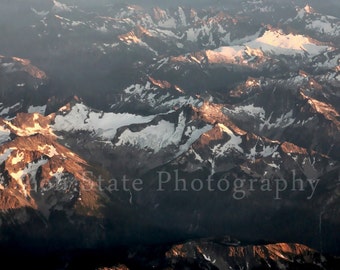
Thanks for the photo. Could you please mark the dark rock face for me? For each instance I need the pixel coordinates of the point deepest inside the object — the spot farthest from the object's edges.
(125, 126)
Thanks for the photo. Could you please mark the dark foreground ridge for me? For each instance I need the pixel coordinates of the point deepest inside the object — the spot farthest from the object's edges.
(221, 253)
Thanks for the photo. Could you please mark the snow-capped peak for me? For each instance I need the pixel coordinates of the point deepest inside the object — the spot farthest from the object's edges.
(282, 43)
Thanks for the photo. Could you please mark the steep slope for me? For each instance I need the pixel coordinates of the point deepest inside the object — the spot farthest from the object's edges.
(134, 124)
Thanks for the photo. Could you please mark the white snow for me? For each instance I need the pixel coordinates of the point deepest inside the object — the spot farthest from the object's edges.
(271, 42)
(266, 151)
(42, 13)
(279, 43)
(48, 150)
(133, 39)
(170, 23)
(194, 134)
(155, 137)
(225, 53)
(205, 30)
(9, 67)
(60, 7)
(257, 112)
(30, 130)
(18, 158)
(37, 109)
(58, 175)
(162, 135)
(4, 135)
(31, 170)
(233, 143)
(283, 121)
(323, 26)
(245, 39)
(102, 29)
(77, 23)
(4, 155)
(192, 34)
(102, 124)
(197, 156)
(182, 16)
(60, 170)
(5, 111)
(208, 258)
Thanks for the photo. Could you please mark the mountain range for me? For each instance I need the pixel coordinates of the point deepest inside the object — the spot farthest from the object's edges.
(170, 136)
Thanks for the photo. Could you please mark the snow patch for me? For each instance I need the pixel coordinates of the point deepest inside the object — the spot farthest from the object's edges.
(4, 135)
(60, 7)
(18, 158)
(48, 150)
(233, 143)
(283, 121)
(31, 170)
(257, 112)
(279, 43)
(163, 134)
(37, 109)
(5, 111)
(266, 151)
(170, 23)
(4, 155)
(42, 13)
(102, 124)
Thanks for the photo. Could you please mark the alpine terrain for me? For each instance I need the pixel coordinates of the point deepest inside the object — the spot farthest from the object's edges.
(170, 134)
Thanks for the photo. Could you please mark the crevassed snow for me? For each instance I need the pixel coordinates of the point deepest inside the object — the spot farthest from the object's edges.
(104, 125)
(4, 135)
